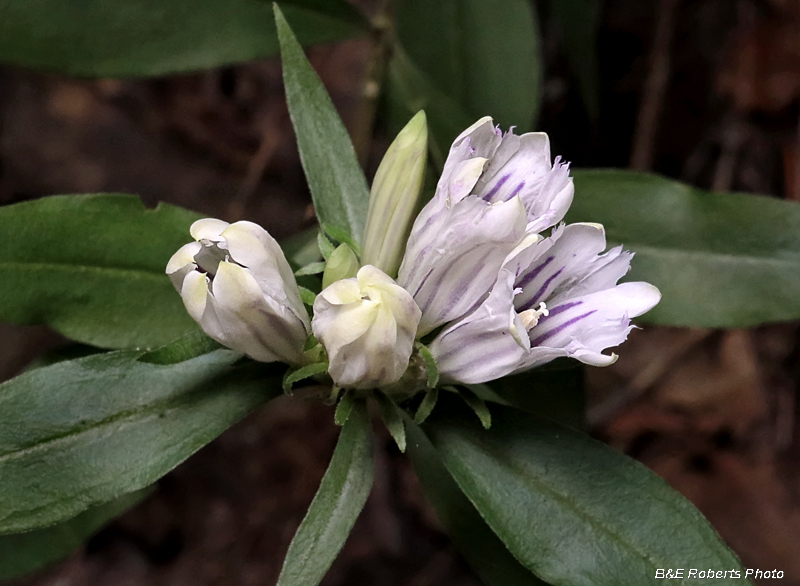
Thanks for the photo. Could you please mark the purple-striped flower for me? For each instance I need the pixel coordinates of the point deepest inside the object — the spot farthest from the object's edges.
(552, 297)
(495, 188)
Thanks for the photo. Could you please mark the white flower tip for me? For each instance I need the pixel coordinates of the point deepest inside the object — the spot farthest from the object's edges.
(594, 225)
(195, 294)
(640, 297)
(593, 358)
(514, 331)
(184, 256)
(652, 296)
(473, 128)
(208, 229)
(240, 229)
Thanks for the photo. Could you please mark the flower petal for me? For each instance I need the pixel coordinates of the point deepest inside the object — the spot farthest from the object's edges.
(182, 263)
(342, 292)
(254, 323)
(567, 265)
(341, 324)
(451, 265)
(550, 206)
(479, 141)
(485, 345)
(521, 166)
(252, 247)
(587, 325)
(367, 325)
(208, 229)
(194, 293)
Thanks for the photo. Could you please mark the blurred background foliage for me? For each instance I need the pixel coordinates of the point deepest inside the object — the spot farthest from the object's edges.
(183, 103)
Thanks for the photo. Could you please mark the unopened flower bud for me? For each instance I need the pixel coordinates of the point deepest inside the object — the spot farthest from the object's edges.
(342, 264)
(367, 325)
(394, 197)
(236, 283)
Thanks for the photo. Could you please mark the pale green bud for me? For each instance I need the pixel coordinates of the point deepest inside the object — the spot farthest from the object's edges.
(342, 264)
(394, 197)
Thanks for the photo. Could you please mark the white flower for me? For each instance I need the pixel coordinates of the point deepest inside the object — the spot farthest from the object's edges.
(367, 326)
(554, 297)
(236, 283)
(494, 189)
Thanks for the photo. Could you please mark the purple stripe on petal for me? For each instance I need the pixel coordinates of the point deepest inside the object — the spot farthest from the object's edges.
(422, 283)
(538, 341)
(465, 284)
(526, 280)
(535, 299)
(493, 191)
(560, 309)
(514, 193)
(488, 346)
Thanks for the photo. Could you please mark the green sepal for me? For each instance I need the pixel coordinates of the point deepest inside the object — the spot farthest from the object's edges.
(475, 403)
(313, 351)
(488, 394)
(326, 247)
(426, 407)
(334, 396)
(308, 296)
(344, 408)
(302, 373)
(430, 365)
(341, 236)
(311, 343)
(313, 268)
(393, 419)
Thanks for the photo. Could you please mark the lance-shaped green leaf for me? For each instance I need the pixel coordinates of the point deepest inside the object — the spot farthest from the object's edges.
(83, 432)
(460, 60)
(105, 38)
(411, 90)
(483, 54)
(554, 391)
(570, 509)
(92, 268)
(721, 260)
(337, 184)
(578, 22)
(483, 550)
(338, 502)
(23, 553)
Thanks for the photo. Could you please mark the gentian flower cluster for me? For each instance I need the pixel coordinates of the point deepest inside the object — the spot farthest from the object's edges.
(489, 278)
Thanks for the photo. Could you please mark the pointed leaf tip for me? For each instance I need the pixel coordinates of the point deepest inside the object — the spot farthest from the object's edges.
(341, 497)
(337, 183)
